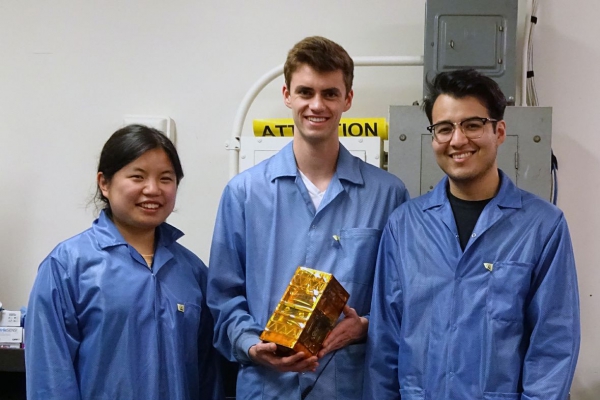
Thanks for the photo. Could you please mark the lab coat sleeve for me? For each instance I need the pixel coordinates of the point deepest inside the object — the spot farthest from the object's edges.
(235, 329)
(553, 318)
(51, 336)
(404, 196)
(381, 373)
(210, 361)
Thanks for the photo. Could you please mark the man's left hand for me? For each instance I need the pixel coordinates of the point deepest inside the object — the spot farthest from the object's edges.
(349, 330)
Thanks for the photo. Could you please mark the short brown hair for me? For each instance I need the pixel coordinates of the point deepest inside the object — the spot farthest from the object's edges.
(322, 55)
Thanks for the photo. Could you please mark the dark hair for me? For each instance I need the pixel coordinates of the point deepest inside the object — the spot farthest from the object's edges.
(128, 144)
(462, 83)
(322, 55)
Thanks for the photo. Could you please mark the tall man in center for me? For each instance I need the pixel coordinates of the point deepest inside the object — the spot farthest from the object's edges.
(312, 204)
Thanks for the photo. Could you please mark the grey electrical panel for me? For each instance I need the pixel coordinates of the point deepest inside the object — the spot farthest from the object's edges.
(479, 34)
(525, 155)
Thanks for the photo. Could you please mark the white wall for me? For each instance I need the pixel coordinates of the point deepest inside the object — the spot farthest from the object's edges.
(70, 70)
(566, 66)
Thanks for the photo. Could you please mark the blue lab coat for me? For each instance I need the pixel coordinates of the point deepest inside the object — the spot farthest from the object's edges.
(102, 325)
(497, 321)
(266, 227)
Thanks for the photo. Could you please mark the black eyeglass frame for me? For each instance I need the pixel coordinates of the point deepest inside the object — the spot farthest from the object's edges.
(484, 120)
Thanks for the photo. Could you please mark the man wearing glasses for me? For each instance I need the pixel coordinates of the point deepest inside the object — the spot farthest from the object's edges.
(475, 291)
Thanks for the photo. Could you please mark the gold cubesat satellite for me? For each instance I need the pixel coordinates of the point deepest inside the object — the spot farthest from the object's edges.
(307, 312)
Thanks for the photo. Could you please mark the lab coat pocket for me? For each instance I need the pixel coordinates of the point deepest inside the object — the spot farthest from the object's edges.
(188, 326)
(358, 253)
(349, 370)
(501, 396)
(507, 289)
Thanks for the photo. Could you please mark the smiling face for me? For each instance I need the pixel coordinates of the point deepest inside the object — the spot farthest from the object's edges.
(317, 101)
(142, 193)
(469, 163)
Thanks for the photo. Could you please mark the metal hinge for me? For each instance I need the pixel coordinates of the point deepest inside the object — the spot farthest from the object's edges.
(516, 160)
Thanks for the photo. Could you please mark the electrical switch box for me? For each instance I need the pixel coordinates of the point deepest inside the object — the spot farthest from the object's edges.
(478, 34)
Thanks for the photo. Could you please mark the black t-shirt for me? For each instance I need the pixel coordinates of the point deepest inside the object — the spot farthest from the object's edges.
(466, 213)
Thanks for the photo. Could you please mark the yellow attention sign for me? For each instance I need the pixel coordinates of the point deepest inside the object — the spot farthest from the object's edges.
(349, 127)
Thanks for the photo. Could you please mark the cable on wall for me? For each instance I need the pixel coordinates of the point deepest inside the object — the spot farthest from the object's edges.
(529, 96)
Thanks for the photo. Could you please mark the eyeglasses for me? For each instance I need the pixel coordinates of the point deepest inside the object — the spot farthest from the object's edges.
(472, 128)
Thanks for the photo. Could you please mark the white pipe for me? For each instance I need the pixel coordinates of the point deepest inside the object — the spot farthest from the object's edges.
(388, 61)
(526, 56)
(242, 111)
(238, 122)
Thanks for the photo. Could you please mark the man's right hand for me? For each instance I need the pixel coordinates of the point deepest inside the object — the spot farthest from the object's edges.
(264, 354)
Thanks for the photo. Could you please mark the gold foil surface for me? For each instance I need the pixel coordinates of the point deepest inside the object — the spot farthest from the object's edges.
(307, 312)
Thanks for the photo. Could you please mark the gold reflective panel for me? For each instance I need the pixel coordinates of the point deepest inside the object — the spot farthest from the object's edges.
(307, 312)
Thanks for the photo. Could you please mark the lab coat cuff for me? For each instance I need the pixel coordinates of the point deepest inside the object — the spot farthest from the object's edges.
(243, 345)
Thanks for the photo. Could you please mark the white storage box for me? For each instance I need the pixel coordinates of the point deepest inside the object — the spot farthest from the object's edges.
(10, 318)
(11, 334)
